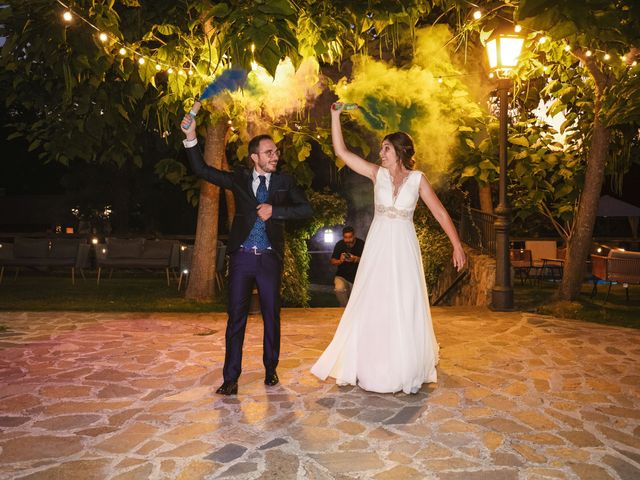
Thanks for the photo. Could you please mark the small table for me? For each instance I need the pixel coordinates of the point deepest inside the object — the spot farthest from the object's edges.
(551, 268)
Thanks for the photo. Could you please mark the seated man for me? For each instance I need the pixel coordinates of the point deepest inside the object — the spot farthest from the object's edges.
(346, 256)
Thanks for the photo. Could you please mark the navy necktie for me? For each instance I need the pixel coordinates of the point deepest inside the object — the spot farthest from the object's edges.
(258, 236)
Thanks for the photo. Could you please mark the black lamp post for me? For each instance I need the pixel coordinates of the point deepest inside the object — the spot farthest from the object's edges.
(503, 51)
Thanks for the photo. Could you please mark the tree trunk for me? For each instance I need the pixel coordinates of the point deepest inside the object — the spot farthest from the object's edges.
(203, 267)
(486, 202)
(579, 245)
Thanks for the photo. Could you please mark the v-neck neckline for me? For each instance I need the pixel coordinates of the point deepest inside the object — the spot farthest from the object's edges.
(395, 193)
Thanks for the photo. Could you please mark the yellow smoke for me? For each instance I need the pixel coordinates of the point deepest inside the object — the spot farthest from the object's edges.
(266, 100)
(426, 99)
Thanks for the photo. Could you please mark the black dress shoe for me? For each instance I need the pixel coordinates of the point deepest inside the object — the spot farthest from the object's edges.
(228, 388)
(271, 379)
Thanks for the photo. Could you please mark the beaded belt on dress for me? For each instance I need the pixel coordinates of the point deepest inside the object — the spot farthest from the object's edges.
(393, 212)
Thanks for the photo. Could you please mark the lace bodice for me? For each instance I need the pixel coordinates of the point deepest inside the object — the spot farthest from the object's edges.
(402, 205)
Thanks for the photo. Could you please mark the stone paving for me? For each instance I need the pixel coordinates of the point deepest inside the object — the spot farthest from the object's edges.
(130, 396)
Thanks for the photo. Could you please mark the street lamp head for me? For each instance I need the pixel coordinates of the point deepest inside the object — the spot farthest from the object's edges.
(503, 50)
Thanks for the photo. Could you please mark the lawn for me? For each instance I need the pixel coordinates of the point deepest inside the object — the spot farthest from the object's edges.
(617, 310)
(129, 292)
(139, 292)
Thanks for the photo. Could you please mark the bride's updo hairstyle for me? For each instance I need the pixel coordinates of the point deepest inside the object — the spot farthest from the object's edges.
(403, 145)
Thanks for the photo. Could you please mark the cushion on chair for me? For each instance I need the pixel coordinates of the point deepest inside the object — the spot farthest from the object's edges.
(124, 248)
(157, 249)
(64, 247)
(31, 248)
(615, 253)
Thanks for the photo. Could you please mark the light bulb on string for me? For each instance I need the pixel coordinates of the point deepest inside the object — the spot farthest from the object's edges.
(517, 28)
(588, 53)
(477, 14)
(190, 72)
(158, 67)
(67, 16)
(606, 57)
(440, 80)
(623, 58)
(542, 40)
(634, 63)
(103, 37)
(122, 51)
(170, 70)
(567, 48)
(180, 72)
(141, 60)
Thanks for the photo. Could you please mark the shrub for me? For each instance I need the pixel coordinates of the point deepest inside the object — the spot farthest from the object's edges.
(329, 209)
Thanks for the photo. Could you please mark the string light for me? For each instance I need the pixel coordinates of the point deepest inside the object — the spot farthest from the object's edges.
(104, 37)
(124, 49)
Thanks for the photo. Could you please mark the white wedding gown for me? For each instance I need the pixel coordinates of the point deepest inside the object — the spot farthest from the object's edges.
(385, 340)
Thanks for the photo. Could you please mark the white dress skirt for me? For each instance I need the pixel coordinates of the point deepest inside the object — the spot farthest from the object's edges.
(385, 340)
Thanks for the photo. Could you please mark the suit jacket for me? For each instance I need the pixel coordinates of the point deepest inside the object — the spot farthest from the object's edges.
(286, 197)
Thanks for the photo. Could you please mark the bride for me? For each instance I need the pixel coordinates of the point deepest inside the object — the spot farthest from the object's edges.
(385, 340)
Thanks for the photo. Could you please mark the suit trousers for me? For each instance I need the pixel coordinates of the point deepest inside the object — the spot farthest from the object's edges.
(265, 270)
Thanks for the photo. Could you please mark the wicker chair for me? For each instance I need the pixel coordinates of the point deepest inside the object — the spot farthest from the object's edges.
(617, 267)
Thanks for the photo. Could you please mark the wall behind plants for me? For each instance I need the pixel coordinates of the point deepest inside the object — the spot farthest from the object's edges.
(329, 209)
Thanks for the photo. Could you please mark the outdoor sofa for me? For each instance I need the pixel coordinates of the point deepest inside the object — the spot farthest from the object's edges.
(72, 253)
(619, 266)
(137, 253)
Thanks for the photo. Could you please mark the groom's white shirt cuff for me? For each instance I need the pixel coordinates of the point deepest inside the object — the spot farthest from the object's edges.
(190, 143)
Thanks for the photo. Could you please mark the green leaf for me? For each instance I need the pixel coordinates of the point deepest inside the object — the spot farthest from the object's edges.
(304, 152)
(469, 171)
(519, 140)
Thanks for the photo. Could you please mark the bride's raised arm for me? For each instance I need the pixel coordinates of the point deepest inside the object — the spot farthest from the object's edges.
(353, 161)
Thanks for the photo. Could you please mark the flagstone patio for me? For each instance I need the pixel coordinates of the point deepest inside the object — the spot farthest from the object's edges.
(131, 396)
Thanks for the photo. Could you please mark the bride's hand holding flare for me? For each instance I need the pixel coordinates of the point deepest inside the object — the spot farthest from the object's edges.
(351, 160)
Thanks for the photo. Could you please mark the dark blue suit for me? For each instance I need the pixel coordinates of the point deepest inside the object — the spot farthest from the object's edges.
(289, 202)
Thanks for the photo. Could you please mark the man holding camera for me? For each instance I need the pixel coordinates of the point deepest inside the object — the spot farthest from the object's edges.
(346, 256)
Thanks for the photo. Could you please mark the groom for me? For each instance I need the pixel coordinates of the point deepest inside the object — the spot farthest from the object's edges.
(264, 200)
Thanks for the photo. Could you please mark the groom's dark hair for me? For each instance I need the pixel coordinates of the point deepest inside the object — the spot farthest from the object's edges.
(254, 143)
(347, 229)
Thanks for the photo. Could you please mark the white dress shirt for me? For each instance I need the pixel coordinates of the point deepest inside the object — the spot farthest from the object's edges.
(256, 180)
